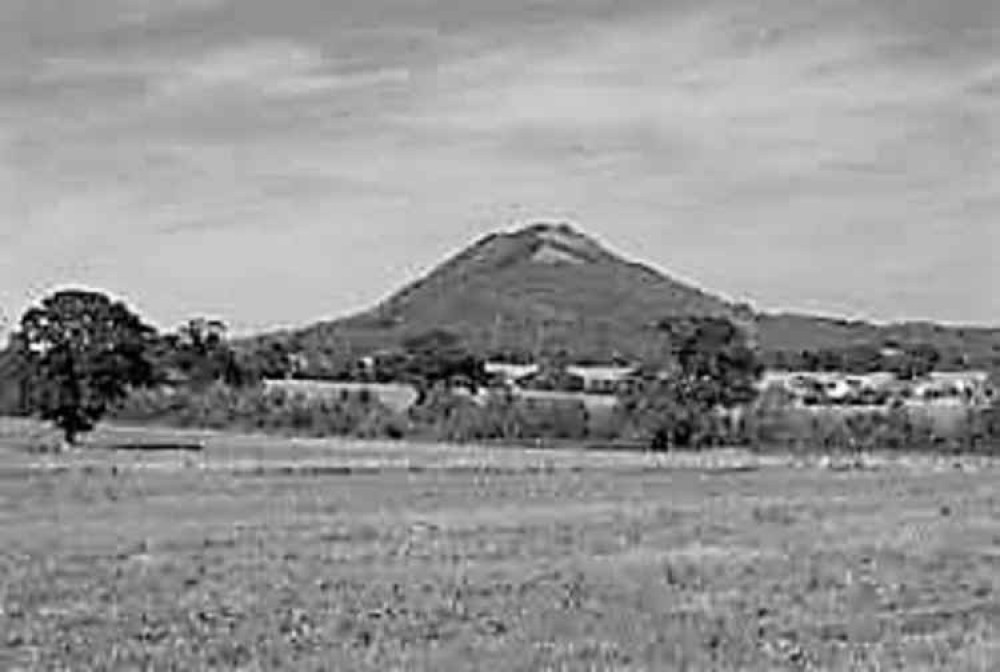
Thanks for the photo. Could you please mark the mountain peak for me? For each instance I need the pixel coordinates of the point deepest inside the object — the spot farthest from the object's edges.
(558, 243)
(546, 243)
(549, 288)
(562, 230)
(544, 287)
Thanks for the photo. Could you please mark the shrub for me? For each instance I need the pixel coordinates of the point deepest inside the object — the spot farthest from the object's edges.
(772, 422)
(552, 419)
(222, 407)
(445, 416)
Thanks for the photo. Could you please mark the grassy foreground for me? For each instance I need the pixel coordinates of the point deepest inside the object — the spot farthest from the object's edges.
(263, 554)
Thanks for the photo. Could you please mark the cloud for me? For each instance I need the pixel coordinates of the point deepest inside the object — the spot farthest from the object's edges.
(716, 134)
(684, 81)
(303, 158)
(266, 69)
(146, 12)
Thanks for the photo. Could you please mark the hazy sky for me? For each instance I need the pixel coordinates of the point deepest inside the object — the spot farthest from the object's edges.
(278, 162)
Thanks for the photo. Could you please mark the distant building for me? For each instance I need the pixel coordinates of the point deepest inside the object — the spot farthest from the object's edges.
(811, 387)
(966, 386)
(509, 374)
(585, 378)
(603, 379)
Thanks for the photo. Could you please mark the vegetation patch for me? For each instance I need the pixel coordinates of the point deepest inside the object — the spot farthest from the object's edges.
(589, 563)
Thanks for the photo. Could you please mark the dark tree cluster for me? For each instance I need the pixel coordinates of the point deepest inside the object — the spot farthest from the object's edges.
(908, 361)
(199, 354)
(425, 360)
(275, 360)
(82, 352)
(439, 358)
(712, 369)
(79, 353)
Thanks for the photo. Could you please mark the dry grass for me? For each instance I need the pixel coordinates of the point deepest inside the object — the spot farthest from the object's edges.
(269, 554)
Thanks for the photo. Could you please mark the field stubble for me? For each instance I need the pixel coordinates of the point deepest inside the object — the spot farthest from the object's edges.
(271, 554)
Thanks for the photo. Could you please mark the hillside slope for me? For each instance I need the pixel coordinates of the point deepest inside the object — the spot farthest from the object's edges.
(549, 288)
(544, 288)
(967, 346)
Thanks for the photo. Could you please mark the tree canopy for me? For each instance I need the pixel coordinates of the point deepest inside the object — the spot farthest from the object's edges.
(438, 357)
(907, 360)
(712, 368)
(199, 354)
(83, 351)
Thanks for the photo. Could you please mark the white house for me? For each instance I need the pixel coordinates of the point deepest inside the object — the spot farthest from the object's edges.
(602, 379)
(969, 386)
(511, 373)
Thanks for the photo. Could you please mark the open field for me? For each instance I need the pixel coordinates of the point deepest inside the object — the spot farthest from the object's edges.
(260, 553)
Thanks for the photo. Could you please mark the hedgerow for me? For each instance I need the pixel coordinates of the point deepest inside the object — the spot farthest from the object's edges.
(771, 422)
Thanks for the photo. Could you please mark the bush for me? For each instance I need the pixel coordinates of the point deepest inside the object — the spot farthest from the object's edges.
(772, 422)
(553, 419)
(442, 415)
(445, 416)
(952, 429)
(223, 407)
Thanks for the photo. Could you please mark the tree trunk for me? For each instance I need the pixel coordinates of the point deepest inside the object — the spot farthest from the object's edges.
(70, 437)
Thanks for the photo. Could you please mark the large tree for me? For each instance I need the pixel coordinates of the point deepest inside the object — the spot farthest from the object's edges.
(712, 368)
(83, 352)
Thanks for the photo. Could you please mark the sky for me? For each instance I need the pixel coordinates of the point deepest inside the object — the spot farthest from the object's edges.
(276, 163)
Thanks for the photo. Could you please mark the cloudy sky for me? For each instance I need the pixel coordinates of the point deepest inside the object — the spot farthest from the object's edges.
(278, 162)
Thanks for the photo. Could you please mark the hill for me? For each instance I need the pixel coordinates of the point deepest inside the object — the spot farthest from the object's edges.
(545, 288)
(548, 288)
(960, 346)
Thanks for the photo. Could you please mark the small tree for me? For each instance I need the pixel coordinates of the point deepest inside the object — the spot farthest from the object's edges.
(83, 351)
(200, 354)
(862, 358)
(916, 361)
(273, 360)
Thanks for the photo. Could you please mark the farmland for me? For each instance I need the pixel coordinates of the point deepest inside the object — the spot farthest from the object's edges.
(267, 553)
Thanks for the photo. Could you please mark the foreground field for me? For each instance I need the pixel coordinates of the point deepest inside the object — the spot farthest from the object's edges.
(271, 554)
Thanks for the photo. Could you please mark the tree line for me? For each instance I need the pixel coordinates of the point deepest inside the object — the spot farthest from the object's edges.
(79, 353)
(907, 361)
(80, 356)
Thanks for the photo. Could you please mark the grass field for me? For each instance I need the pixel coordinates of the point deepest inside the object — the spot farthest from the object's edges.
(264, 554)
